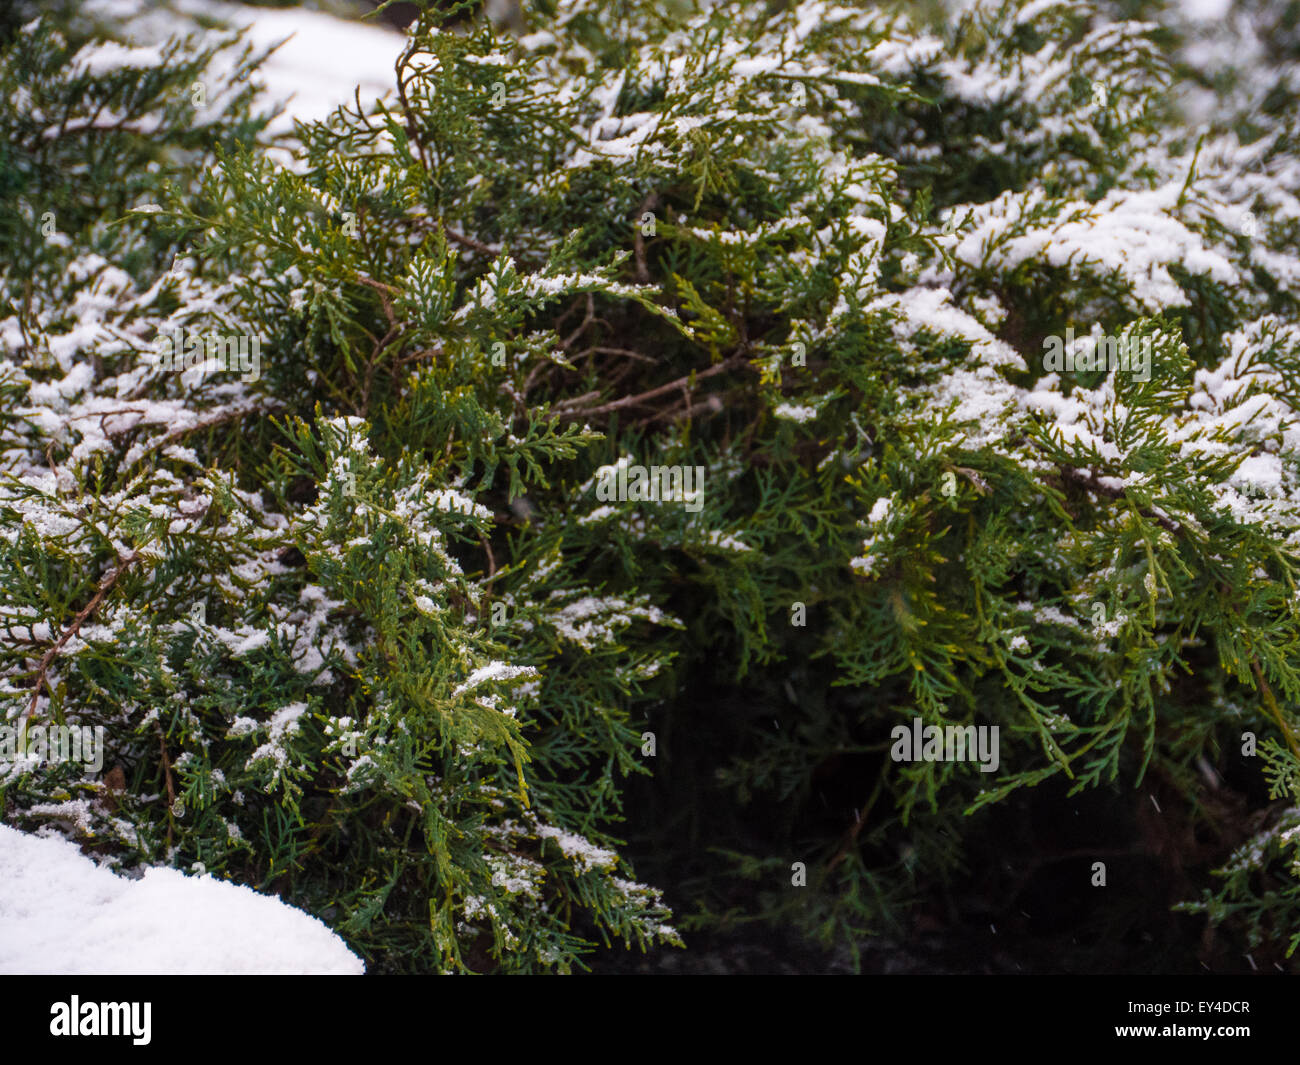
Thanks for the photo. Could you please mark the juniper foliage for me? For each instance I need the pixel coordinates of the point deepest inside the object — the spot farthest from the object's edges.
(360, 629)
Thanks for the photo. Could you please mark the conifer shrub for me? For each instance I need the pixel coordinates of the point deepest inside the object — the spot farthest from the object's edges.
(334, 491)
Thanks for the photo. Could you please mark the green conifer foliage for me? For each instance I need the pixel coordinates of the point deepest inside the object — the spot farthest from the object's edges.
(356, 610)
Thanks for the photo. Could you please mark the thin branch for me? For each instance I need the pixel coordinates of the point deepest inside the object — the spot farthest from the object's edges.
(421, 354)
(383, 291)
(625, 352)
(454, 236)
(1273, 708)
(1091, 481)
(227, 414)
(567, 342)
(642, 269)
(672, 386)
(469, 242)
(167, 775)
(860, 819)
(47, 660)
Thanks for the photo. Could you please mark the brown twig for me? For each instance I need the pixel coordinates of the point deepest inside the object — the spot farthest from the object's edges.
(167, 776)
(227, 414)
(860, 819)
(454, 236)
(1091, 481)
(1271, 703)
(638, 246)
(380, 344)
(539, 367)
(422, 353)
(383, 291)
(588, 318)
(47, 660)
(625, 352)
(672, 386)
(412, 49)
(569, 312)
(469, 242)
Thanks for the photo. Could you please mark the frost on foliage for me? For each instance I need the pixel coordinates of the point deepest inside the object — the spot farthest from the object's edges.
(818, 252)
(593, 621)
(232, 544)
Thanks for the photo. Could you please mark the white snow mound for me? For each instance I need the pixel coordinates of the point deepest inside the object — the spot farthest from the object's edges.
(61, 913)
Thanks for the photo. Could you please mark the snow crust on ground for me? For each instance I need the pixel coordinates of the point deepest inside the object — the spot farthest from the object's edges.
(61, 913)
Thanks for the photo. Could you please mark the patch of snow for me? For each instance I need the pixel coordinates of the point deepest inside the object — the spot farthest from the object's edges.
(60, 913)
